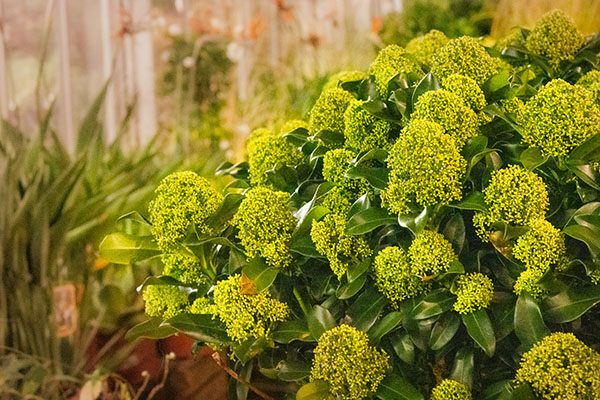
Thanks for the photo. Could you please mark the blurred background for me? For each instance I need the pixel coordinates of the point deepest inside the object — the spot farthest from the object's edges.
(100, 99)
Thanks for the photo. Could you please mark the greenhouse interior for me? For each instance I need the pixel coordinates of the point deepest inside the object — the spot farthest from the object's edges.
(300, 199)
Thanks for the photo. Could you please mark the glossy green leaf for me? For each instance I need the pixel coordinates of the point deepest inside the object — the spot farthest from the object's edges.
(229, 206)
(496, 82)
(384, 326)
(366, 309)
(363, 203)
(377, 177)
(289, 331)
(394, 387)
(570, 304)
(585, 234)
(151, 328)
(249, 349)
(474, 201)
(368, 220)
(200, 327)
(498, 390)
(319, 321)
(523, 392)
(315, 390)
(415, 222)
(292, 371)
(349, 289)
(444, 330)
(120, 248)
(480, 329)
(403, 346)
(529, 324)
(462, 369)
(261, 276)
(531, 158)
(588, 150)
(435, 303)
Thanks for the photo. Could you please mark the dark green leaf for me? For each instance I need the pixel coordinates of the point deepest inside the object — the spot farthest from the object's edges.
(289, 331)
(304, 245)
(249, 349)
(462, 369)
(415, 222)
(151, 328)
(403, 346)
(570, 304)
(585, 234)
(384, 326)
(523, 392)
(368, 220)
(329, 138)
(262, 276)
(315, 390)
(455, 232)
(366, 309)
(444, 330)
(496, 82)
(242, 389)
(480, 329)
(498, 390)
(377, 177)
(394, 387)
(474, 201)
(435, 303)
(588, 150)
(363, 203)
(226, 211)
(349, 289)
(200, 327)
(529, 324)
(319, 321)
(292, 371)
(531, 158)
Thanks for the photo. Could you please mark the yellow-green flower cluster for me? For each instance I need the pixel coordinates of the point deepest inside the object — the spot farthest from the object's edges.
(292, 125)
(591, 81)
(528, 282)
(560, 117)
(425, 47)
(342, 77)
(541, 247)
(246, 315)
(514, 196)
(555, 37)
(514, 106)
(345, 360)
(467, 89)
(449, 389)
(430, 253)
(464, 56)
(426, 167)
(336, 245)
(448, 110)
(328, 111)
(395, 276)
(265, 224)
(266, 150)
(183, 199)
(515, 37)
(338, 200)
(561, 367)
(184, 268)
(203, 305)
(335, 164)
(164, 301)
(474, 291)
(363, 131)
(391, 61)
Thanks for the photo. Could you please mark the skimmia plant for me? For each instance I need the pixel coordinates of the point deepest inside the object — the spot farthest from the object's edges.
(432, 231)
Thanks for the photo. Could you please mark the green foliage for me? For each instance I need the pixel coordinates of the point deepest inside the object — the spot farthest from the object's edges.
(473, 292)
(389, 62)
(450, 111)
(246, 315)
(555, 37)
(425, 47)
(560, 366)
(333, 242)
(342, 77)
(449, 389)
(547, 124)
(426, 168)
(265, 225)
(182, 199)
(345, 360)
(450, 245)
(464, 56)
(328, 111)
